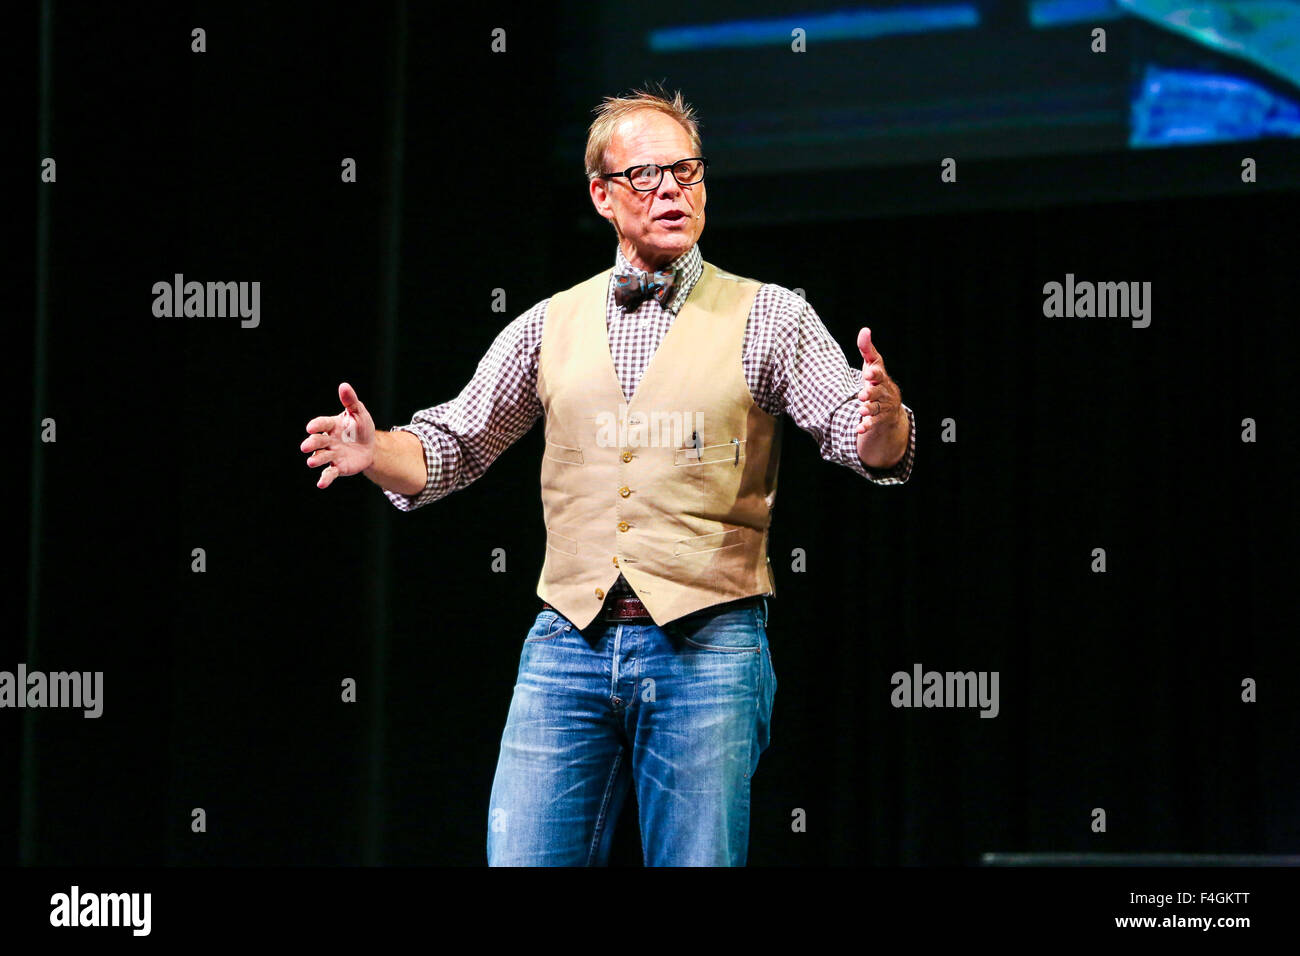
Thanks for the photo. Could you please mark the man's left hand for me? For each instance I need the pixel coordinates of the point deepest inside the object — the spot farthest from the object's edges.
(883, 430)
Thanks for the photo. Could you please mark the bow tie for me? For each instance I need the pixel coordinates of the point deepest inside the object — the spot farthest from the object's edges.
(632, 288)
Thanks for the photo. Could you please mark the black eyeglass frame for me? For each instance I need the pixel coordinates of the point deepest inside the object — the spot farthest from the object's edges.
(627, 173)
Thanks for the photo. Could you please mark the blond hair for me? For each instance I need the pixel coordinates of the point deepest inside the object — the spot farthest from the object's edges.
(615, 108)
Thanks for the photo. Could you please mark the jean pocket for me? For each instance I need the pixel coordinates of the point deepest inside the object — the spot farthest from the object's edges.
(549, 625)
(734, 631)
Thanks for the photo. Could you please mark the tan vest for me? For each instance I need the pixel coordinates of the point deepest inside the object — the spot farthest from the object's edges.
(623, 487)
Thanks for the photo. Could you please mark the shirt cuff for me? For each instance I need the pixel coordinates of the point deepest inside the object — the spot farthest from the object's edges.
(432, 469)
(899, 473)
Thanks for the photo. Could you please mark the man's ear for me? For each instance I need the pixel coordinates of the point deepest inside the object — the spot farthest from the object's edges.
(601, 199)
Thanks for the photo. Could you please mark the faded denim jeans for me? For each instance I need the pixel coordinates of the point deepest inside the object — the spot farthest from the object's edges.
(681, 713)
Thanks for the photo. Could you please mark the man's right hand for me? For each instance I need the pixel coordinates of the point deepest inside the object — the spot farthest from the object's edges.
(344, 443)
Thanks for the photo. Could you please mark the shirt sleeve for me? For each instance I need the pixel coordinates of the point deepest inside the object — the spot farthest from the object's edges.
(814, 384)
(498, 406)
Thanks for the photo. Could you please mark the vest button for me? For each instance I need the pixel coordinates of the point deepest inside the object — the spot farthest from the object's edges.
(616, 560)
(599, 593)
(625, 491)
(627, 456)
(623, 526)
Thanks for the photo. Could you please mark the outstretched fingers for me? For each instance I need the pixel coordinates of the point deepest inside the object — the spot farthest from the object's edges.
(328, 476)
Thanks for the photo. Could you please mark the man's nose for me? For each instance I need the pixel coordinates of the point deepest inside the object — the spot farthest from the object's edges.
(669, 188)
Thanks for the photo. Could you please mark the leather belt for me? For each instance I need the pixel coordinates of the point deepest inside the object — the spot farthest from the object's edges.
(631, 608)
(618, 609)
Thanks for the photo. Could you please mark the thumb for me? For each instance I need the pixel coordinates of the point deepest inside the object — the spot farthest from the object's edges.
(348, 396)
(869, 353)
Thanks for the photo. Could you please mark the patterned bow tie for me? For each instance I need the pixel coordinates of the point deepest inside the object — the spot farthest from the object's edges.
(632, 288)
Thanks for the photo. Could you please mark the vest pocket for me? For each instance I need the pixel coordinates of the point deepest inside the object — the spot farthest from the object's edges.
(563, 453)
(561, 543)
(709, 542)
(733, 452)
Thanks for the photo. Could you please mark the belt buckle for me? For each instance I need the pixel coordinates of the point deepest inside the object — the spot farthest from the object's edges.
(626, 609)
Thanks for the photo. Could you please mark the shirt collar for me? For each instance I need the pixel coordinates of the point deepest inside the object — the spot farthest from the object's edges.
(688, 267)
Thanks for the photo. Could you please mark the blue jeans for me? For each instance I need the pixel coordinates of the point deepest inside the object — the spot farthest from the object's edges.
(680, 712)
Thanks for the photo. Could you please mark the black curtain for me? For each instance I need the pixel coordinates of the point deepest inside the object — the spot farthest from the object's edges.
(1119, 690)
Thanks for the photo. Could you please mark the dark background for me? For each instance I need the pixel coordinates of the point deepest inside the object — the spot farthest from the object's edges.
(222, 690)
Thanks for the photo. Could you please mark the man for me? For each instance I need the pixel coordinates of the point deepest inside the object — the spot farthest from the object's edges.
(662, 384)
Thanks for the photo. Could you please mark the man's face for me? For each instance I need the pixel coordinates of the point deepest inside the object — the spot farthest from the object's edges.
(658, 226)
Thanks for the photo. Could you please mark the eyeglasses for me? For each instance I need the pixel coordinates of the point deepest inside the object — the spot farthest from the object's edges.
(646, 178)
